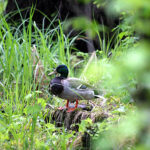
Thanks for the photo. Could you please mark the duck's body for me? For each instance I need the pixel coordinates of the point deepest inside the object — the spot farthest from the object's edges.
(71, 89)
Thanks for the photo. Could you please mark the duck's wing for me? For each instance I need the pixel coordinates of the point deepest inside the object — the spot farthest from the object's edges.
(77, 83)
(74, 89)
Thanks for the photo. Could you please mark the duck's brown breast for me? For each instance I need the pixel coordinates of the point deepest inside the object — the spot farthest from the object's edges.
(56, 86)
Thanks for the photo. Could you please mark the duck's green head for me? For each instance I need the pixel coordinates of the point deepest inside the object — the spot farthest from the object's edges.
(62, 70)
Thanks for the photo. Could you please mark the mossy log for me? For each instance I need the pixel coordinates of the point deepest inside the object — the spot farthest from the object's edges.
(71, 119)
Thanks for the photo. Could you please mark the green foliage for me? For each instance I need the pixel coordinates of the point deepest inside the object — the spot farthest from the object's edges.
(84, 1)
(137, 13)
(21, 108)
(123, 134)
(84, 24)
(84, 125)
(132, 65)
(3, 4)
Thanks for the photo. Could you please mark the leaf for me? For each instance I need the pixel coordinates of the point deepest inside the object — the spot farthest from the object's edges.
(84, 124)
(28, 96)
(51, 127)
(122, 34)
(33, 109)
(42, 102)
(84, 1)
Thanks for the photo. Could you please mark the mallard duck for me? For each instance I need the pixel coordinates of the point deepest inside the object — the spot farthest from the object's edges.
(71, 89)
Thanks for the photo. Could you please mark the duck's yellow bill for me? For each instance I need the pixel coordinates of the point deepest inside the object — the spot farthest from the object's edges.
(54, 72)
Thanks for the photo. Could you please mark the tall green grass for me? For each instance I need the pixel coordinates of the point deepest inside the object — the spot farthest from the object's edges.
(19, 103)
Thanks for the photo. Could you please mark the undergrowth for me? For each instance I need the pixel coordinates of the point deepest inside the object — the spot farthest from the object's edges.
(21, 107)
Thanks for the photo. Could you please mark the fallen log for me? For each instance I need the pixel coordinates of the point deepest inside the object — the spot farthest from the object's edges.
(70, 119)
